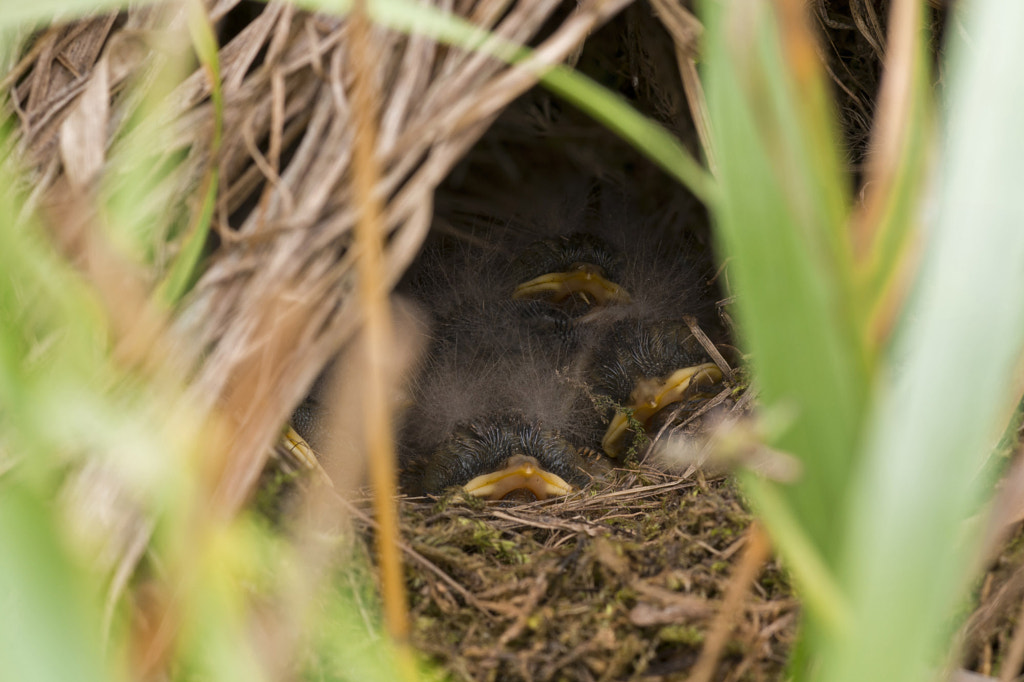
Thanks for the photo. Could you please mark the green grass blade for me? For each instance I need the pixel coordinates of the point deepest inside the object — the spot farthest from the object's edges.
(183, 270)
(606, 107)
(51, 624)
(932, 431)
(646, 136)
(782, 223)
(897, 172)
(15, 13)
(815, 580)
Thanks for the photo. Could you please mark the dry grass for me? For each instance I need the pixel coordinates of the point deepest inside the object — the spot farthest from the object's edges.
(274, 302)
(623, 580)
(620, 581)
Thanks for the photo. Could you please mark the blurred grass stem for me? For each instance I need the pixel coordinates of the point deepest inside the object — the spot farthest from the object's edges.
(755, 554)
(376, 333)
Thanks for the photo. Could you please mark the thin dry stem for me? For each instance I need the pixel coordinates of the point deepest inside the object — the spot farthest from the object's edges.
(757, 551)
(686, 30)
(1011, 664)
(892, 122)
(376, 330)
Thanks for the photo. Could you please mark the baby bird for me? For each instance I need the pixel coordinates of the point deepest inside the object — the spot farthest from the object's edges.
(496, 407)
(550, 356)
(576, 271)
(514, 454)
(539, 358)
(636, 352)
(643, 367)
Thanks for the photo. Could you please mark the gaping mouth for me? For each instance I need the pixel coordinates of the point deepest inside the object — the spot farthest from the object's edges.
(521, 473)
(653, 395)
(583, 280)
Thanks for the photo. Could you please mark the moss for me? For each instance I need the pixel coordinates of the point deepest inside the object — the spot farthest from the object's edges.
(720, 567)
(681, 634)
(485, 538)
(578, 576)
(274, 492)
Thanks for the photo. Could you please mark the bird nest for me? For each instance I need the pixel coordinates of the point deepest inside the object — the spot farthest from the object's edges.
(632, 578)
(624, 581)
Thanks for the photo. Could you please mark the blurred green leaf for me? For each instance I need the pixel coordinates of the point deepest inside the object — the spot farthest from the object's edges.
(16, 13)
(898, 170)
(216, 642)
(906, 558)
(50, 327)
(819, 590)
(782, 222)
(183, 270)
(153, 213)
(347, 637)
(51, 625)
(13, 38)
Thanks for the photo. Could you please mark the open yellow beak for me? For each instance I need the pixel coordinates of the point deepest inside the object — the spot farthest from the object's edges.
(584, 280)
(521, 473)
(653, 395)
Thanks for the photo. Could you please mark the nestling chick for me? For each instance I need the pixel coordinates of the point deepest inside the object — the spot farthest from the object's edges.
(497, 407)
(576, 271)
(544, 349)
(626, 305)
(643, 367)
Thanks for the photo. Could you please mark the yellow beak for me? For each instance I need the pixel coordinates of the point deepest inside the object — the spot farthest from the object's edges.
(520, 473)
(653, 395)
(584, 280)
(294, 448)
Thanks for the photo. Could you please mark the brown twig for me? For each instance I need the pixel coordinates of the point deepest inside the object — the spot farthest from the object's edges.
(376, 332)
(1011, 663)
(754, 556)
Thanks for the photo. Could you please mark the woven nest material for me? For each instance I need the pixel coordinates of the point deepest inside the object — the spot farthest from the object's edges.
(276, 298)
(275, 301)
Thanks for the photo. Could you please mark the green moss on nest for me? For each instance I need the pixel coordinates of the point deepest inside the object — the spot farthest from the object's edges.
(681, 634)
(615, 581)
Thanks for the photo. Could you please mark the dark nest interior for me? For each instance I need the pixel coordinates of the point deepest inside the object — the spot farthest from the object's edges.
(626, 579)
